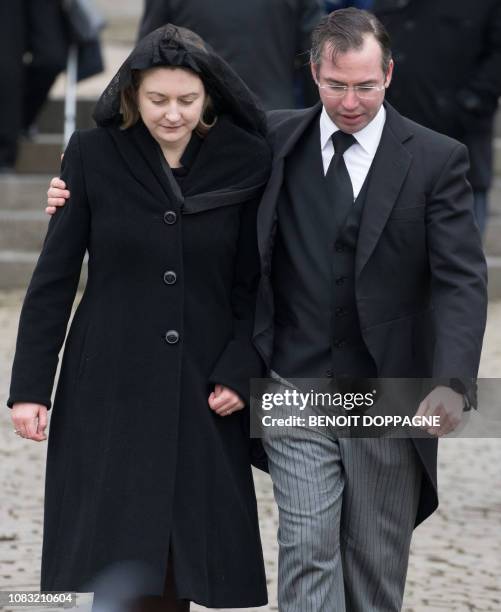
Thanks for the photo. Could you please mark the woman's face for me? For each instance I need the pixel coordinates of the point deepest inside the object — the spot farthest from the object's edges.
(171, 102)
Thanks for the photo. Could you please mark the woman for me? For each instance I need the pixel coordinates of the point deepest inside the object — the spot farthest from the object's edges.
(148, 453)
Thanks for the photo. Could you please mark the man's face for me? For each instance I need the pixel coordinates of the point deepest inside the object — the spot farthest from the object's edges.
(355, 67)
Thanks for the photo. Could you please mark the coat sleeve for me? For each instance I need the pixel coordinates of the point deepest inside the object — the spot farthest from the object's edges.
(50, 295)
(458, 273)
(240, 360)
(155, 15)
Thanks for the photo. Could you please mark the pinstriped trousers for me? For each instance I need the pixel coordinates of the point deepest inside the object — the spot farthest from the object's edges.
(347, 509)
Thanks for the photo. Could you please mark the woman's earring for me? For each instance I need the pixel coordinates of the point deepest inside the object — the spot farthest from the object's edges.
(207, 125)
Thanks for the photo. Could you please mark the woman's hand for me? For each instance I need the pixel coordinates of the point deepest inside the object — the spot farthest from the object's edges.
(30, 420)
(223, 401)
(57, 195)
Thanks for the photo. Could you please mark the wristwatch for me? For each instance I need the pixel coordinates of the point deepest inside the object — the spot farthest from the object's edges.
(469, 393)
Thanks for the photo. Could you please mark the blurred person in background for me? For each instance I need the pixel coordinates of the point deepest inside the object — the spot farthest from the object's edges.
(149, 455)
(332, 5)
(265, 42)
(448, 75)
(33, 51)
(34, 42)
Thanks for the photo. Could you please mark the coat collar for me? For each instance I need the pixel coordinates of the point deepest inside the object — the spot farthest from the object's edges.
(140, 154)
(232, 164)
(285, 133)
(387, 174)
(389, 169)
(289, 131)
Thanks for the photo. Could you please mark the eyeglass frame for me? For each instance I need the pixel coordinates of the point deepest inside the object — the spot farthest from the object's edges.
(344, 89)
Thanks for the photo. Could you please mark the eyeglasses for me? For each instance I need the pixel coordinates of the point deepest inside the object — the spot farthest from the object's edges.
(363, 92)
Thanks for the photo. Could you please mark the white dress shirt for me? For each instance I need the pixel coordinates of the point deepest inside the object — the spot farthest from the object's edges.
(358, 158)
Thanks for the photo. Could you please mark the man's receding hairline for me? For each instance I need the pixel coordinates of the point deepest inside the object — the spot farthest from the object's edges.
(335, 52)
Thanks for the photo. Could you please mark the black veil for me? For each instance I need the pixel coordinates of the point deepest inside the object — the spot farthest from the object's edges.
(171, 45)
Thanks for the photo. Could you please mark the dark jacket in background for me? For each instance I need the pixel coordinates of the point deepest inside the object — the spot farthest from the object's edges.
(332, 5)
(262, 40)
(38, 27)
(448, 70)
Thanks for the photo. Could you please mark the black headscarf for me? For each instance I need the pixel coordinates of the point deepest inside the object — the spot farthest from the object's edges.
(175, 46)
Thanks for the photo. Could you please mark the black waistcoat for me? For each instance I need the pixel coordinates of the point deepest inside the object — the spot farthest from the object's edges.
(317, 330)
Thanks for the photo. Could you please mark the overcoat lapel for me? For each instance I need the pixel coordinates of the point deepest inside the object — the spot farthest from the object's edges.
(145, 161)
(287, 136)
(389, 169)
(139, 152)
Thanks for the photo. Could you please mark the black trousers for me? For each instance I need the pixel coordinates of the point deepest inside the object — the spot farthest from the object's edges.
(33, 51)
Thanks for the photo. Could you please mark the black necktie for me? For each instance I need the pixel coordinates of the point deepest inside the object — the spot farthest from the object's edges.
(338, 179)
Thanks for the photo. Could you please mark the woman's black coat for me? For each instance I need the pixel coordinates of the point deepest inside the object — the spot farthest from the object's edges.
(137, 461)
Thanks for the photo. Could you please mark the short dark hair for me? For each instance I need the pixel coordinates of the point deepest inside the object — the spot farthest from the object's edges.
(344, 30)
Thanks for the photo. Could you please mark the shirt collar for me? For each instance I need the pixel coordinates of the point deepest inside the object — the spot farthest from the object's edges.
(368, 137)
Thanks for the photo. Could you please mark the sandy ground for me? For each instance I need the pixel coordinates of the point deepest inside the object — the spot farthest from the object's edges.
(456, 554)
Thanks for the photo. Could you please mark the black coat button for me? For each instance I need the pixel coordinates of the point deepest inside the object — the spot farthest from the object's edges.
(170, 217)
(172, 336)
(339, 343)
(339, 246)
(170, 277)
(340, 280)
(329, 373)
(340, 312)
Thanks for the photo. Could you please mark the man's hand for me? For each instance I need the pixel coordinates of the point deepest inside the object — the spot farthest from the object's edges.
(445, 403)
(223, 401)
(30, 420)
(57, 195)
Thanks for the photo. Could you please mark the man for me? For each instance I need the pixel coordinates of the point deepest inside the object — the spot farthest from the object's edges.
(452, 82)
(371, 267)
(263, 41)
(34, 41)
(25, 26)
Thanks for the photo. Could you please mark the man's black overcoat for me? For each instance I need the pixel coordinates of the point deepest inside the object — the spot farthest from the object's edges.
(137, 461)
(420, 272)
